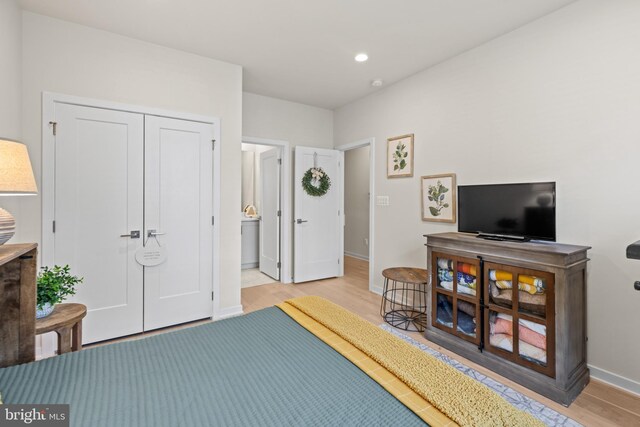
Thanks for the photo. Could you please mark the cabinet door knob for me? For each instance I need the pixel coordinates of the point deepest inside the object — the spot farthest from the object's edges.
(636, 285)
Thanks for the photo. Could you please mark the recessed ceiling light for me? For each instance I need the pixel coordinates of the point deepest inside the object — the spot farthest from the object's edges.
(361, 57)
(376, 83)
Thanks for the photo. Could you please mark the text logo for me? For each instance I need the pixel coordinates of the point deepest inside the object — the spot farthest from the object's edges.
(34, 415)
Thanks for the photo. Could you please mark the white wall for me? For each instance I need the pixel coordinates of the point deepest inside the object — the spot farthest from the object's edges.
(356, 202)
(299, 124)
(11, 69)
(10, 89)
(556, 100)
(271, 118)
(71, 59)
(248, 171)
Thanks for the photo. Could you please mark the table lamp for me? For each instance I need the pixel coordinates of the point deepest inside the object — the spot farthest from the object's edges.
(16, 179)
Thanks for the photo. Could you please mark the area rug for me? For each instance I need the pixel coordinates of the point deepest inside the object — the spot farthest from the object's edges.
(547, 415)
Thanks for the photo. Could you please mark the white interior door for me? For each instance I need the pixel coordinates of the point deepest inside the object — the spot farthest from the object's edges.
(179, 206)
(270, 213)
(317, 219)
(98, 198)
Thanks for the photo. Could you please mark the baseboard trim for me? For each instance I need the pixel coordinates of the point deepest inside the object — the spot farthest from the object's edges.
(376, 290)
(615, 380)
(249, 265)
(355, 255)
(228, 312)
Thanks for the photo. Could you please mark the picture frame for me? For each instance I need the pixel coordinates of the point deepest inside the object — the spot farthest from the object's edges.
(438, 197)
(400, 156)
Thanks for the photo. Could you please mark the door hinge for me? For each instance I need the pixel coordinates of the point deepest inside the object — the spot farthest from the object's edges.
(213, 144)
(54, 226)
(54, 126)
(278, 264)
(212, 296)
(279, 213)
(338, 212)
(213, 220)
(279, 161)
(338, 260)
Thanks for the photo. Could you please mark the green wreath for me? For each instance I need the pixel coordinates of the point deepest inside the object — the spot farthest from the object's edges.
(316, 182)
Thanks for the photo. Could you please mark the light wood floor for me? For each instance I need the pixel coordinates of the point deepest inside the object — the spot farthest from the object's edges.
(598, 405)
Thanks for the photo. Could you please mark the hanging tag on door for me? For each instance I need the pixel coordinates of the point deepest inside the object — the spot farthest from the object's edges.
(151, 254)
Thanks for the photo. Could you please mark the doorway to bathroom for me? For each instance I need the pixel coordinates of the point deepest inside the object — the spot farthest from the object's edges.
(262, 212)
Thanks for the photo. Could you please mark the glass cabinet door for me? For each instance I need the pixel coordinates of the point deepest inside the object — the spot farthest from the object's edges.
(455, 274)
(456, 295)
(519, 307)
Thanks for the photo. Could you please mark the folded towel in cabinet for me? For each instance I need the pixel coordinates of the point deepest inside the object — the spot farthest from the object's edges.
(463, 267)
(445, 264)
(535, 284)
(500, 275)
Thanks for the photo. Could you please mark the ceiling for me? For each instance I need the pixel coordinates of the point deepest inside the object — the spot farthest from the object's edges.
(303, 50)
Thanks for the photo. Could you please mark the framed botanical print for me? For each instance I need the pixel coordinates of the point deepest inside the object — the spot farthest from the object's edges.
(400, 156)
(439, 197)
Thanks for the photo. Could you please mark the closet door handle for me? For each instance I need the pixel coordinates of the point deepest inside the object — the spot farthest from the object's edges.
(300, 221)
(134, 234)
(154, 233)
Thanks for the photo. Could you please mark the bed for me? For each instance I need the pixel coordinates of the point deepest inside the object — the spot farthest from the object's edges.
(305, 362)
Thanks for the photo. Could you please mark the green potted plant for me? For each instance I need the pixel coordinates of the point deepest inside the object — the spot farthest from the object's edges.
(54, 285)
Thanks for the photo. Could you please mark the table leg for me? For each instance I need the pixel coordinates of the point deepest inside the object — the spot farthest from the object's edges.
(64, 340)
(76, 343)
(384, 296)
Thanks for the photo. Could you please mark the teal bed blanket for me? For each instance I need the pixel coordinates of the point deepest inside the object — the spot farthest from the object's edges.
(261, 369)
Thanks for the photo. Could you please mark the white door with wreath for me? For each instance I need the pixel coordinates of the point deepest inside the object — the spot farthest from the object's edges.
(316, 251)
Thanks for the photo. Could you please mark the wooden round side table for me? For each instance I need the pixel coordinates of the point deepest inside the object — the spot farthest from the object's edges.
(66, 322)
(404, 298)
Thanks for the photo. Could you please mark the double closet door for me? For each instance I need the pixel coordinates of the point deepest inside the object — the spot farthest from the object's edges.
(130, 184)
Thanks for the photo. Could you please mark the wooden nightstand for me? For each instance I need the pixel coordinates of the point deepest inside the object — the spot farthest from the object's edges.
(17, 303)
(66, 321)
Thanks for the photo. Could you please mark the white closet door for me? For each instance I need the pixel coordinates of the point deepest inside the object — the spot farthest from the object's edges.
(179, 206)
(98, 198)
(269, 213)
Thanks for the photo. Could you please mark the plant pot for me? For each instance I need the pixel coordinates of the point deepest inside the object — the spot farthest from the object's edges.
(44, 311)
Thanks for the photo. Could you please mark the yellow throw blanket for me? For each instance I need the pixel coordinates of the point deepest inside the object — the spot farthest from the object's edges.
(461, 398)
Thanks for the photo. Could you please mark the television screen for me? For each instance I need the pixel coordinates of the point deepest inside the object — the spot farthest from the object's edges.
(521, 210)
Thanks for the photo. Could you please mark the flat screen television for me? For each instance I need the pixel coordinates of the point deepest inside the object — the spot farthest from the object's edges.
(503, 211)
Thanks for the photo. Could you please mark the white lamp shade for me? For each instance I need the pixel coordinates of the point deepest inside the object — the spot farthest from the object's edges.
(16, 175)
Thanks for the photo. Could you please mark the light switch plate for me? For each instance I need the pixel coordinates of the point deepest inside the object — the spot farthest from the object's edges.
(382, 200)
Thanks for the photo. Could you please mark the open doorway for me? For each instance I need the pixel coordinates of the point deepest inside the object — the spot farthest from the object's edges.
(357, 205)
(262, 212)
